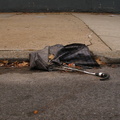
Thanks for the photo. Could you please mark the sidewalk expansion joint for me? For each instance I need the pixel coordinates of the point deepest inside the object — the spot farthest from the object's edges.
(93, 32)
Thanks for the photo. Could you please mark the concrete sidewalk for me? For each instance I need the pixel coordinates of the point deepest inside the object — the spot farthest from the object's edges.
(107, 28)
(22, 33)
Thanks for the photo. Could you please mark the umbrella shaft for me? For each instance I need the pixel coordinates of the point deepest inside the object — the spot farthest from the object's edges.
(83, 71)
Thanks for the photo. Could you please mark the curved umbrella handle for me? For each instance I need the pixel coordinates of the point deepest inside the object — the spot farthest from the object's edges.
(104, 76)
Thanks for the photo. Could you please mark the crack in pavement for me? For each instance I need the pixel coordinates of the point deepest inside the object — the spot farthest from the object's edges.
(93, 32)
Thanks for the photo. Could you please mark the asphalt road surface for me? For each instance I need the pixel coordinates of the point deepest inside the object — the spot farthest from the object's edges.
(35, 95)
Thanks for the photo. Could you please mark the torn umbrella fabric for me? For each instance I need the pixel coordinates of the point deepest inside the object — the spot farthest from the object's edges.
(78, 54)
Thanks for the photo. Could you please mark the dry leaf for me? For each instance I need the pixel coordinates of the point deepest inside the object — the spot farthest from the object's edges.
(35, 112)
(15, 63)
(100, 62)
(23, 64)
(1, 64)
(51, 57)
(5, 61)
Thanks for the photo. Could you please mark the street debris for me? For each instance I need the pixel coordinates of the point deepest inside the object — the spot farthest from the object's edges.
(78, 54)
(70, 58)
(73, 57)
(100, 62)
(6, 63)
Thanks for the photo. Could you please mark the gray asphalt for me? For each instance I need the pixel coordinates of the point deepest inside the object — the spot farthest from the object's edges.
(58, 95)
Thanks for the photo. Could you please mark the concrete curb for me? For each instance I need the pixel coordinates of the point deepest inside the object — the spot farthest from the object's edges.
(14, 55)
(112, 57)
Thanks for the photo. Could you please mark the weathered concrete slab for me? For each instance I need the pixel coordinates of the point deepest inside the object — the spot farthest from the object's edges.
(106, 26)
(35, 31)
(112, 42)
